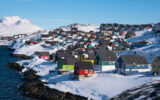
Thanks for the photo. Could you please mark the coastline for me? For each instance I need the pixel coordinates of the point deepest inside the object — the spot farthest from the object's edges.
(34, 88)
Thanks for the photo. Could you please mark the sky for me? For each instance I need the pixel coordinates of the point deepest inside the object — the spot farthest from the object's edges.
(49, 14)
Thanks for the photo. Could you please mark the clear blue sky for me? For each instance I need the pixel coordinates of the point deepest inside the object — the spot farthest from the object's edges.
(53, 13)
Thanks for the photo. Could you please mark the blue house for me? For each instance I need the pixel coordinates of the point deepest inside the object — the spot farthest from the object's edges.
(129, 64)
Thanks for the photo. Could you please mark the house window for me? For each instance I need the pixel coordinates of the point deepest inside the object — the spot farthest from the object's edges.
(86, 71)
(139, 65)
(91, 71)
(77, 71)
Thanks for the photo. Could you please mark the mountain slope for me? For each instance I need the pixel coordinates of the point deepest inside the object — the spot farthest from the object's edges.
(81, 27)
(14, 25)
(149, 91)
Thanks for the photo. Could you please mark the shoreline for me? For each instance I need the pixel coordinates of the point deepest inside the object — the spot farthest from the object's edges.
(34, 88)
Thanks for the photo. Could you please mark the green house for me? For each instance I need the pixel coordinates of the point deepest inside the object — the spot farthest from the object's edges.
(64, 66)
(66, 63)
(105, 59)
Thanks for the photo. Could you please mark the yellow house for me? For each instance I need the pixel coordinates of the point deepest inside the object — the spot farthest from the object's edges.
(109, 32)
(107, 38)
(87, 58)
(88, 34)
(156, 64)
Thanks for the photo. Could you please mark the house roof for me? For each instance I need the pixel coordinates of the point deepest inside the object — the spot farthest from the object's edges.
(68, 60)
(44, 35)
(84, 65)
(117, 48)
(131, 59)
(106, 55)
(158, 58)
(43, 53)
(52, 42)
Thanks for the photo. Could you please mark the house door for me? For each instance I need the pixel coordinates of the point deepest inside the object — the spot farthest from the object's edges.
(66, 67)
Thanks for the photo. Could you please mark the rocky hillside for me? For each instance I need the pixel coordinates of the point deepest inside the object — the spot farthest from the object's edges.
(149, 91)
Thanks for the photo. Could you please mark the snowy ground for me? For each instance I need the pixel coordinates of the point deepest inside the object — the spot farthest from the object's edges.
(102, 85)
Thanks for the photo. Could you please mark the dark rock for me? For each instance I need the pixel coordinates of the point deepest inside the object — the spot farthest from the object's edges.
(21, 56)
(11, 49)
(146, 91)
(15, 66)
(30, 75)
(35, 88)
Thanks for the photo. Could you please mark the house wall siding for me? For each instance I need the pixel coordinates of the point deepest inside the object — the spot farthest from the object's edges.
(68, 67)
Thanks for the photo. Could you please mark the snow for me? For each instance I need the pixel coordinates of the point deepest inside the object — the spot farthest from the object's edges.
(82, 27)
(103, 84)
(149, 52)
(14, 25)
(100, 86)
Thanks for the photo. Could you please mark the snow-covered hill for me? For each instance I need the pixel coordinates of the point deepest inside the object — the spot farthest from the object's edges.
(149, 52)
(14, 25)
(81, 27)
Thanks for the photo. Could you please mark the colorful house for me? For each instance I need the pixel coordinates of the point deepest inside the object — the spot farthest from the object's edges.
(31, 42)
(87, 57)
(156, 65)
(105, 59)
(42, 55)
(65, 61)
(83, 69)
(129, 64)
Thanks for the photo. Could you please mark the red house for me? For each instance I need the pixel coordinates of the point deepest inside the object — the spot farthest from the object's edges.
(83, 69)
(42, 55)
(31, 42)
(9, 38)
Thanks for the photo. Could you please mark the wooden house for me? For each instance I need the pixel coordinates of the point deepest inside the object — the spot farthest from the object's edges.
(128, 27)
(122, 33)
(22, 35)
(137, 27)
(65, 61)
(58, 30)
(87, 56)
(103, 27)
(129, 64)
(42, 54)
(83, 69)
(69, 39)
(45, 37)
(115, 26)
(122, 27)
(9, 38)
(109, 26)
(105, 59)
(31, 42)
(130, 34)
(109, 32)
(16, 36)
(52, 57)
(73, 29)
(51, 43)
(64, 37)
(156, 29)
(156, 65)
